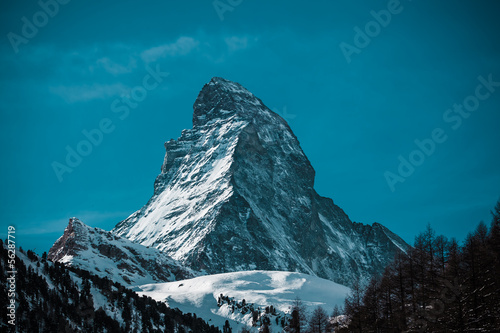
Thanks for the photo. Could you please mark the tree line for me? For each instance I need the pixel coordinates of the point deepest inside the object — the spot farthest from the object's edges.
(51, 297)
(439, 285)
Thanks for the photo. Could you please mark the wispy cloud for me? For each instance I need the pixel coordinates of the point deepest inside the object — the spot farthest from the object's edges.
(115, 68)
(85, 93)
(236, 43)
(91, 72)
(182, 46)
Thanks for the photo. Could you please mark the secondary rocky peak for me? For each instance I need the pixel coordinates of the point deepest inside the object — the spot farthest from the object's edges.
(72, 240)
(221, 98)
(108, 255)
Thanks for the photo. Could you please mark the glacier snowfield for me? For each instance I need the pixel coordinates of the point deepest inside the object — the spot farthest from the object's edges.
(263, 288)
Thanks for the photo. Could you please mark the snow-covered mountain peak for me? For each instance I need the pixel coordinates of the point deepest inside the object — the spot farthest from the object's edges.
(108, 255)
(236, 192)
(222, 99)
(76, 237)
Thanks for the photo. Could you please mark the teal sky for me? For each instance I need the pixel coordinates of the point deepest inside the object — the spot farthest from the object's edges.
(354, 117)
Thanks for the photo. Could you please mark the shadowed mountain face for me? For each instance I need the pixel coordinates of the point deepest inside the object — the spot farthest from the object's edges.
(236, 192)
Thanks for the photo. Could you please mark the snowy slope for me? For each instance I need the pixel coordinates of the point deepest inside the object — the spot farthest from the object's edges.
(108, 255)
(187, 207)
(262, 288)
(51, 297)
(236, 192)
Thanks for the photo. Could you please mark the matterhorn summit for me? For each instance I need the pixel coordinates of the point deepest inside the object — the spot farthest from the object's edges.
(236, 192)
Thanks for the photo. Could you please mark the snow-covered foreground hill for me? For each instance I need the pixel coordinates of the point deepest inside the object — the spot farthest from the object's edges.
(259, 289)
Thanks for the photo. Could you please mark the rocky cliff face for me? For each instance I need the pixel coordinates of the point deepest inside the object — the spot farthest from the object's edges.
(236, 192)
(108, 255)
